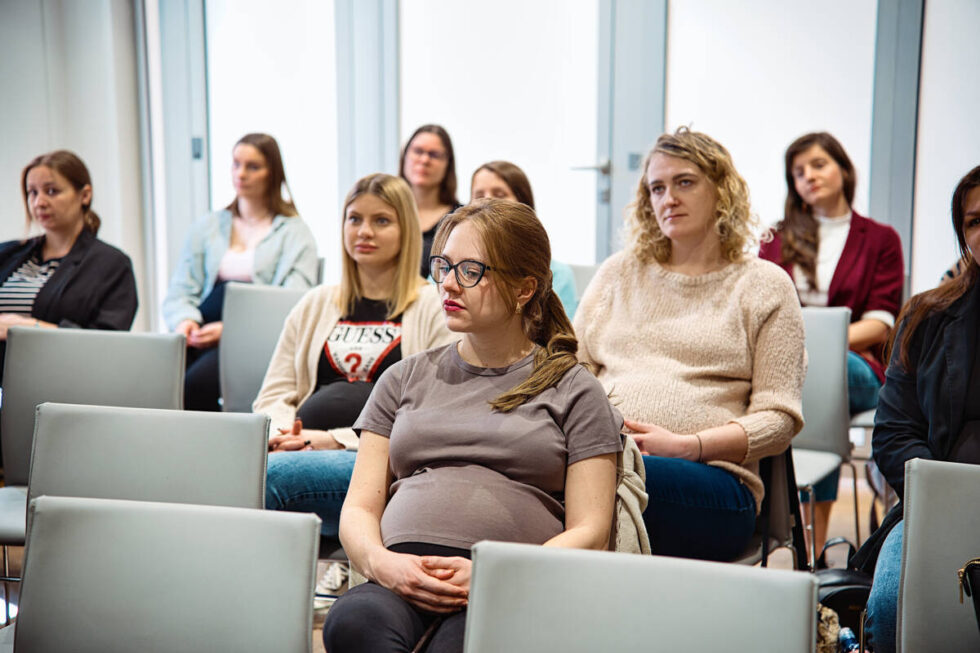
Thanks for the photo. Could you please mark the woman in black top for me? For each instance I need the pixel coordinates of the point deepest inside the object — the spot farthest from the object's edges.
(929, 406)
(65, 277)
(428, 164)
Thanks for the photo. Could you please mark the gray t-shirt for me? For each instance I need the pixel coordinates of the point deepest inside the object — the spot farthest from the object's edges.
(465, 472)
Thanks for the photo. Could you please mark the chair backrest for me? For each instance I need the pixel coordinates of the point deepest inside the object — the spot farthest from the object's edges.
(253, 316)
(825, 408)
(145, 454)
(530, 598)
(108, 576)
(942, 532)
(76, 366)
(583, 275)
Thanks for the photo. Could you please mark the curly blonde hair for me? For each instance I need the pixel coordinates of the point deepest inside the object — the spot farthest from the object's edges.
(734, 222)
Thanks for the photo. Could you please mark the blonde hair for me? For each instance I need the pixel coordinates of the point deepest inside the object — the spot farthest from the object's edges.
(734, 221)
(516, 246)
(394, 192)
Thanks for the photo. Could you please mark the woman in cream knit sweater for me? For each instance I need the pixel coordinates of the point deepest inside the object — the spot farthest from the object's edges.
(700, 345)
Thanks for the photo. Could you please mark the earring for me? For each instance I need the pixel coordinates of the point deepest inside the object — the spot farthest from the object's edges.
(517, 309)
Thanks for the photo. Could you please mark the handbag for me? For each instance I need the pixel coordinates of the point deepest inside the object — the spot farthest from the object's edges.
(845, 591)
(969, 582)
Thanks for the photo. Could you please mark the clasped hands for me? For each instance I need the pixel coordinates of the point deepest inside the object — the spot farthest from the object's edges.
(299, 439)
(201, 337)
(434, 583)
(654, 440)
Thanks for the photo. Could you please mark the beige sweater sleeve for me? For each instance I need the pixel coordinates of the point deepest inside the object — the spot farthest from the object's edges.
(774, 414)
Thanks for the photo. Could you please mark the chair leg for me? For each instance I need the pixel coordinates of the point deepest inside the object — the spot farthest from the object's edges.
(6, 587)
(811, 511)
(857, 523)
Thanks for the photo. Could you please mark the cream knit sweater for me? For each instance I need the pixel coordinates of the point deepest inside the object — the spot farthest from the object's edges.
(689, 353)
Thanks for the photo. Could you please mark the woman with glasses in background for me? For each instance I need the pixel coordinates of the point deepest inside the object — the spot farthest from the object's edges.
(428, 164)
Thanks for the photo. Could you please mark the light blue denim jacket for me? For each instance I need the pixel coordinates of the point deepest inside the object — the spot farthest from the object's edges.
(285, 257)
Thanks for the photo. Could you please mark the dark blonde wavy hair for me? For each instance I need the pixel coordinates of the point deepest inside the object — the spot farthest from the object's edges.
(734, 222)
(516, 246)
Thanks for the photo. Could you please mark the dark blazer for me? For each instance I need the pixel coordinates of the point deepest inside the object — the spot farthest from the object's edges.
(869, 276)
(93, 287)
(920, 413)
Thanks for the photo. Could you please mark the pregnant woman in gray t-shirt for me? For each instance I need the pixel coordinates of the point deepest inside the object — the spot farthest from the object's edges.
(502, 436)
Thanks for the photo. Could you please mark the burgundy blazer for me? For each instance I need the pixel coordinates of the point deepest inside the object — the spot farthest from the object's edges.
(869, 276)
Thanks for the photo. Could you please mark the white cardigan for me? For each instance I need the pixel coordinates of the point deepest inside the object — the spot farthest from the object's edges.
(291, 377)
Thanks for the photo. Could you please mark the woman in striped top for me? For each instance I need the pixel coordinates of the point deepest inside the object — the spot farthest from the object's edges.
(65, 277)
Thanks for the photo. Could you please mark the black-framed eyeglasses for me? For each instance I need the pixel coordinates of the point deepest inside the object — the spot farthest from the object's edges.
(468, 272)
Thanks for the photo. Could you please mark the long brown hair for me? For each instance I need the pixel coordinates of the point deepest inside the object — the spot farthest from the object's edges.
(447, 187)
(941, 298)
(516, 246)
(269, 148)
(395, 193)
(513, 176)
(68, 165)
(798, 226)
(733, 215)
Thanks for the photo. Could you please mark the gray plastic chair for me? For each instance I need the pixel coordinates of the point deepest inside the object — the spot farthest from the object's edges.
(778, 524)
(144, 454)
(108, 576)
(78, 367)
(253, 317)
(583, 275)
(824, 443)
(532, 598)
(942, 532)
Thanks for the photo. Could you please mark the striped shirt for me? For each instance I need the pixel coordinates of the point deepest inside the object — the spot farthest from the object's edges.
(18, 292)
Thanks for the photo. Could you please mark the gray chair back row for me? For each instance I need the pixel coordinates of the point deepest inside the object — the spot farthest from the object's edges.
(534, 598)
(109, 576)
(825, 407)
(144, 454)
(253, 318)
(78, 366)
(942, 532)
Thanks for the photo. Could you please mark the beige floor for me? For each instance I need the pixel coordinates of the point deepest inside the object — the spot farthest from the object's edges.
(841, 523)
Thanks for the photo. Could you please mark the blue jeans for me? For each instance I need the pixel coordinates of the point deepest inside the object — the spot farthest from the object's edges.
(310, 481)
(696, 510)
(862, 384)
(882, 620)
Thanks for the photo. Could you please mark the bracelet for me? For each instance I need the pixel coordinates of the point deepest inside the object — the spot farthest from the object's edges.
(700, 448)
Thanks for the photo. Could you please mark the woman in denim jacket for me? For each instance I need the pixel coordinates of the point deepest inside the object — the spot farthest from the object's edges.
(257, 238)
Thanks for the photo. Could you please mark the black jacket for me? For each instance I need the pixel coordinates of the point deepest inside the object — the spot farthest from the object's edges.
(93, 287)
(920, 413)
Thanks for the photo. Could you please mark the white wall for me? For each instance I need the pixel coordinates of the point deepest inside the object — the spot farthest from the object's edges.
(757, 74)
(515, 80)
(272, 68)
(948, 139)
(68, 78)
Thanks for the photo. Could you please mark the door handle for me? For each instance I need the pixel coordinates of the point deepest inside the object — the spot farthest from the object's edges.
(604, 166)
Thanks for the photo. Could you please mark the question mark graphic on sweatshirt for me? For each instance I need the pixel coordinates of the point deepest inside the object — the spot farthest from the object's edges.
(357, 361)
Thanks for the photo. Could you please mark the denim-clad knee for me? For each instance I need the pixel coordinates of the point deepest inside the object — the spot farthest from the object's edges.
(310, 481)
(882, 621)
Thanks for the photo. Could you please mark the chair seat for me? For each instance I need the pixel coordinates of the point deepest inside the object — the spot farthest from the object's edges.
(7, 639)
(865, 420)
(13, 515)
(813, 466)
